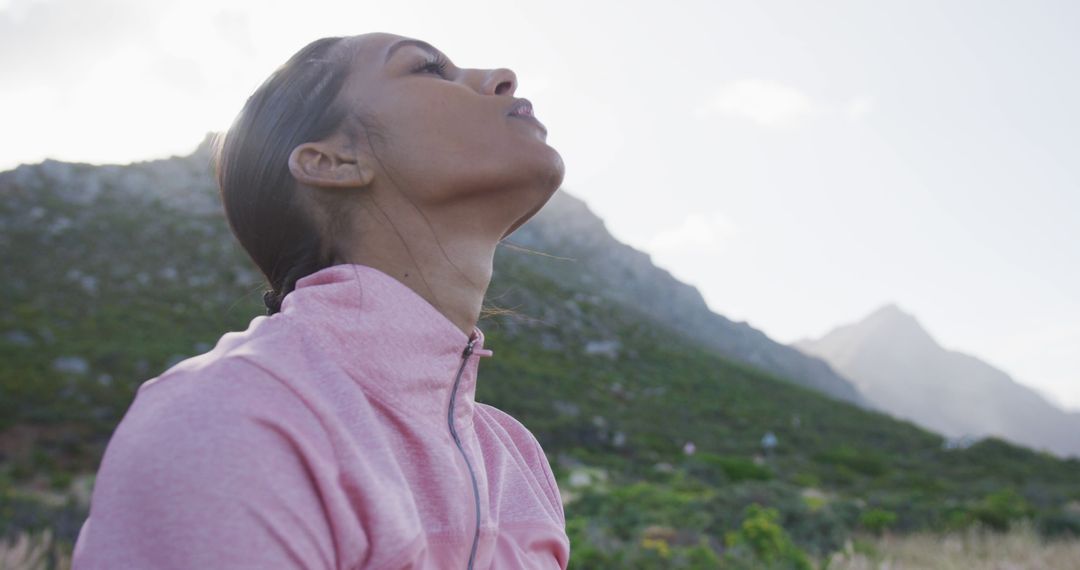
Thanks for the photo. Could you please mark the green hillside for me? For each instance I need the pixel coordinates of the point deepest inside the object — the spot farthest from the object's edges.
(104, 290)
(835, 468)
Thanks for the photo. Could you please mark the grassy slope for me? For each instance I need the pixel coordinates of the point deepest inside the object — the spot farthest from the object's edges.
(137, 317)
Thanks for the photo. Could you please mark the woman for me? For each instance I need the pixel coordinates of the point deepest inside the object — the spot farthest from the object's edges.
(371, 180)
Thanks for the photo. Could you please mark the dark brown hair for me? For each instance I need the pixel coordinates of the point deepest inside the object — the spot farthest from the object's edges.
(298, 103)
(288, 237)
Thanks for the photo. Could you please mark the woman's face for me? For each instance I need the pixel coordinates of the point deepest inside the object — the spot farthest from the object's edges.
(446, 132)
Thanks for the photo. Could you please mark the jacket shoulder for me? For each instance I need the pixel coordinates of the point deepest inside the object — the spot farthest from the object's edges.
(531, 451)
(227, 385)
(206, 469)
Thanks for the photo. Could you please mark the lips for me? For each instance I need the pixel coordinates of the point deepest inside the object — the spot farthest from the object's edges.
(521, 107)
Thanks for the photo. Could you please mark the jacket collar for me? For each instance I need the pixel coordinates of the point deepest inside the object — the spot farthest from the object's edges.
(388, 338)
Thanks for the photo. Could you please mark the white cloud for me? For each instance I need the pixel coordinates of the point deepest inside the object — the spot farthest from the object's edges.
(772, 104)
(859, 107)
(697, 232)
(1042, 355)
(768, 103)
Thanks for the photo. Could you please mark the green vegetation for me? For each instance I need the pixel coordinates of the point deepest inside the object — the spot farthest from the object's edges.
(125, 288)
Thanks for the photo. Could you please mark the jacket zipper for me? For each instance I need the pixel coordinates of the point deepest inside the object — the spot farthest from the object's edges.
(453, 432)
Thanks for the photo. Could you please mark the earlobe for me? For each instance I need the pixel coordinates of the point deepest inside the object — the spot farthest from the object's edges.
(322, 165)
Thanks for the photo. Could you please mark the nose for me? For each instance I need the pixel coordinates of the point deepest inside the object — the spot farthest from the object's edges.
(500, 81)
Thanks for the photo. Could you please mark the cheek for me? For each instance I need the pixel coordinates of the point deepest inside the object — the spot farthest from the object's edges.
(446, 140)
(444, 147)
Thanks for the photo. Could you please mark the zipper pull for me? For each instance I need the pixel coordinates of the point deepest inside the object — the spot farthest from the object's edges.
(468, 348)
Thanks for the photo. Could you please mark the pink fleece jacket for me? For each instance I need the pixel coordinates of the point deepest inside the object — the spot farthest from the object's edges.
(340, 433)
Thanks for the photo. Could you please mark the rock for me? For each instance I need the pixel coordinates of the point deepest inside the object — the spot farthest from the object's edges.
(88, 284)
(583, 476)
(608, 348)
(579, 479)
(71, 365)
(566, 408)
(664, 467)
(58, 226)
(654, 391)
(18, 338)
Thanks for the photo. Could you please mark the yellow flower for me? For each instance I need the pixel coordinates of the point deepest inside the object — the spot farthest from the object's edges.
(658, 544)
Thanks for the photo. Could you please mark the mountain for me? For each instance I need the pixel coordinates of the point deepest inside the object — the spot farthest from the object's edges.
(590, 259)
(593, 260)
(902, 370)
(114, 273)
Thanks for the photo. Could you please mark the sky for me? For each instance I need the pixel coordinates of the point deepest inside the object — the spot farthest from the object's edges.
(800, 163)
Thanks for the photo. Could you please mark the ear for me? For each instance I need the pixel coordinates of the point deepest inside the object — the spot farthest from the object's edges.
(327, 165)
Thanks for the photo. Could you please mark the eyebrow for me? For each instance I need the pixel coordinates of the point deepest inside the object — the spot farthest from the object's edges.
(403, 43)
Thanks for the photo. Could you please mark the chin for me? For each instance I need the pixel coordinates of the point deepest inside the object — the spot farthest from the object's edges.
(554, 170)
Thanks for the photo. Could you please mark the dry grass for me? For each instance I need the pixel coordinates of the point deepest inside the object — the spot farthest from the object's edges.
(32, 552)
(1019, 549)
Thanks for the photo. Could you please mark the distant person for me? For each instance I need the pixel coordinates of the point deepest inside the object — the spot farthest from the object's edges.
(370, 179)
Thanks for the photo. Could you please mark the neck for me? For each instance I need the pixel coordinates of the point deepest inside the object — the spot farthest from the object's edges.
(443, 258)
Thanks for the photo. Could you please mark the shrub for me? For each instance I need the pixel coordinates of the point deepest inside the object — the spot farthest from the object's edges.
(734, 469)
(877, 520)
(863, 461)
(1059, 524)
(1000, 509)
(761, 540)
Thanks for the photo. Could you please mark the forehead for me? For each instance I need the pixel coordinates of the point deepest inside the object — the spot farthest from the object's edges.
(368, 52)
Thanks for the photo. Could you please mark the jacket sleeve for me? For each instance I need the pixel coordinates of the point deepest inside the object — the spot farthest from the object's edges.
(216, 469)
(533, 454)
(553, 486)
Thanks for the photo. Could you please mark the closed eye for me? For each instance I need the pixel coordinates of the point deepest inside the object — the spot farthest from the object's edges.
(436, 64)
